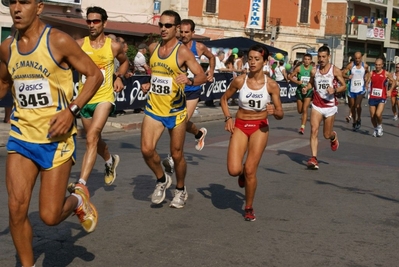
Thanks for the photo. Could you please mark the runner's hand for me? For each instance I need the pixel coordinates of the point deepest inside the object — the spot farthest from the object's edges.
(60, 123)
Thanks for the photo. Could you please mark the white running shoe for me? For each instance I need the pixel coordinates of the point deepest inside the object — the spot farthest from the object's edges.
(380, 132)
(169, 165)
(395, 118)
(180, 199)
(201, 142)
(159, 193)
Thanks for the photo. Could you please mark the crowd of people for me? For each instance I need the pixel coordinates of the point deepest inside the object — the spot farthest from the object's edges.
(42, 137)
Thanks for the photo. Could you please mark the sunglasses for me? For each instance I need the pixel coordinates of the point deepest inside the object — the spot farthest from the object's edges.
(167, 25)
(94, 21)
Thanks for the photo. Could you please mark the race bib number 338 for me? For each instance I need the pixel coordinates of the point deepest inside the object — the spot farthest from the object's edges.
(161, 85)
(33, 93)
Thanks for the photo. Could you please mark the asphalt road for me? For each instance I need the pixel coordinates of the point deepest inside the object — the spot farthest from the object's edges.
(344, 214)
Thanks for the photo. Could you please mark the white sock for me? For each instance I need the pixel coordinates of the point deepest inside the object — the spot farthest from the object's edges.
(379, 126)
(81, 181)
(80, 200)
(109, 162)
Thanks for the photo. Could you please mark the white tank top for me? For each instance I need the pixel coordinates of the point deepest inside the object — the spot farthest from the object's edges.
(255, 100)
(357, 81)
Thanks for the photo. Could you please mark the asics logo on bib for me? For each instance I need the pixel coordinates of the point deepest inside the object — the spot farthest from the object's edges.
(160, 80)
(30, 87)
(254, 95)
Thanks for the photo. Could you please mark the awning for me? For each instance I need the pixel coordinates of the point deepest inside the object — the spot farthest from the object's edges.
(242, 43)
(116, 27)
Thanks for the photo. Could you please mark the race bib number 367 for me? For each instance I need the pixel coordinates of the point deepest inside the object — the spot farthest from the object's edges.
(33, 93)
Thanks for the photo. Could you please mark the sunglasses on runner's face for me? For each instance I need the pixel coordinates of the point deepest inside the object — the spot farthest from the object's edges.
(167, 25)
(94, 21)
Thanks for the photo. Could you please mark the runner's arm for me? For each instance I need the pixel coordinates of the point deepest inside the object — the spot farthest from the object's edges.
(5, 77)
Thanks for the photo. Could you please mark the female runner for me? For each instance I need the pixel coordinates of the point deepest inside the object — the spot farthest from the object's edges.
(250, 129)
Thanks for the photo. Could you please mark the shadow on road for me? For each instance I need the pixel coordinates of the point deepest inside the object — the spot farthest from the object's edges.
(223, 198)
(358, 191)
(56, 243)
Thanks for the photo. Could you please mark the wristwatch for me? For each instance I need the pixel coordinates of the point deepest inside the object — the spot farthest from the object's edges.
(192, 81)
(74, 109)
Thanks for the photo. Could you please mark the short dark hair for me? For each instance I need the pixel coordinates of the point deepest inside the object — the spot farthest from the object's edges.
(324, 48)
(188, 22)
(261, 49)
(307, 55)
(98, 10)
(171, 13)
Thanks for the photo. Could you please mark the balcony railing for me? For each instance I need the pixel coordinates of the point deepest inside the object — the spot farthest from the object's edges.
(353, 29)
(380, 1)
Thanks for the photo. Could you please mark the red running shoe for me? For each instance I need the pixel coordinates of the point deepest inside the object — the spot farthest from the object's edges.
(335, 142)
(301, 131)
(241, 180)
(313, 164)
(249, 214)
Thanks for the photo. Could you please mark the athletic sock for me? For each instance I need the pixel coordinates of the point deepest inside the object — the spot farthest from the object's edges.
(109, 162)
(81, 181)
(333, 138)
(162, 179)
(303, 126)
(180, 189)
(199, 135)
(80, 200)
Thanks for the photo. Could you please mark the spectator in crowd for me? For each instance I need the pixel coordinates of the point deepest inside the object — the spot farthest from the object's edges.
(280, 73)
(140, 61)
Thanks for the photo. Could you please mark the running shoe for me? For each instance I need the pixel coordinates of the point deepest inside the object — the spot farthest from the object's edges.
(348, 119)
(86, 212)
(335, 142)
(169, 165)
(179, 199)
(249, 214)
(358, 124)
(73, 187)
(301, 130)
(354, 126)
(313, 164)
(395, 118)
(110, 170)
(375, 133)
(380, 132)
(241, 180)
(201, 142)
(160, 190)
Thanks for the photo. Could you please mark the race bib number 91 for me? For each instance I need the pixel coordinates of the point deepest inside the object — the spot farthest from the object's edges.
(33, 93)
(161, 85)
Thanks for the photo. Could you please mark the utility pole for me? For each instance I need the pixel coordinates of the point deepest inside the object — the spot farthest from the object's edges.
(346, 57)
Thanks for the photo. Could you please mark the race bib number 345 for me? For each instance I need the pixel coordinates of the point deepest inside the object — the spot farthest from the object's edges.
(33, 93)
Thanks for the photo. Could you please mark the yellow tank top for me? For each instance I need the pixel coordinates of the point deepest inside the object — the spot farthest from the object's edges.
(166, 97)
(41, 88)
(104, 59)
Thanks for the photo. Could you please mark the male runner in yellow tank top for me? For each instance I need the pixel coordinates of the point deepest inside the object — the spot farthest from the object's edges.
(36, 62)
(166, 106)
(102, 50)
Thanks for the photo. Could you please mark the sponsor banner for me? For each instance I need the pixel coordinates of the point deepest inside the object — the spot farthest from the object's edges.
(376, 33)
(255, 15)
(133, 98)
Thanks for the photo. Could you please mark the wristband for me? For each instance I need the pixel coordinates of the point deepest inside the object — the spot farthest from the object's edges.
(227, 118)
(192, 81)
(114, 77)
(74, 109)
